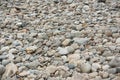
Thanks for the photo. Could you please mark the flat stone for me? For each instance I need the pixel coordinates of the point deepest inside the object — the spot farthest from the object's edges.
(33, 64)
(69, 1)
(112, 71)
(81, 40)
(5, 62)
(17, 43)
(62, 51)
(24, 73)
(51, 69)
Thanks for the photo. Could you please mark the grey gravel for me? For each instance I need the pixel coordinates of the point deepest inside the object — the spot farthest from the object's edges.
(59, 40)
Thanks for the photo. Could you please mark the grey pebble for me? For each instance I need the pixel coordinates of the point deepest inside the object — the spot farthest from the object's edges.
(2, 69)
(5, 62)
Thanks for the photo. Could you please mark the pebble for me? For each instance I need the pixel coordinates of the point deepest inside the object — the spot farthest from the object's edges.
(108, 33)
(3, 57)
(69, 1)
(112, 70)
(2, 69)
(85, 67)
(31, 49)
(118, 69)
(66, 42)
(6, 48)
(24, 73)
(33, 64)
(51, 69)
(118, 40)
(11, 67)
(93, 74)
(115, 62)
(62, 51)
(51, 53)
(105, 67)
(70, 49)
(13, 51)
(81, 40)
(73, 57)
(5, 62)
(60, 40)
(17, 43)
(95, 67)
(105, 75)
(71, 66)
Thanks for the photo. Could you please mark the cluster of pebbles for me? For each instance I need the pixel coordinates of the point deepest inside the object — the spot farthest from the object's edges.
(59, 39)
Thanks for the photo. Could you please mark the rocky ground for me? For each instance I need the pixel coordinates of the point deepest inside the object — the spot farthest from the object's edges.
(59, 39)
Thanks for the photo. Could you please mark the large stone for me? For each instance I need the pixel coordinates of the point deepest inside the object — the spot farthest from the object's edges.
(11, 69)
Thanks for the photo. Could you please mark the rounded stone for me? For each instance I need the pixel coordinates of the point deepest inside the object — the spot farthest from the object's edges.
(85, 67)
(108, 33)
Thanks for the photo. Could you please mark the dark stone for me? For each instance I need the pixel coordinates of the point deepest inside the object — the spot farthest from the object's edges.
(71, 66)
(118, 69)
(103, 1)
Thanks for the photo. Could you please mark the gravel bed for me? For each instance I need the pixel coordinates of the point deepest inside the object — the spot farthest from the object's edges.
(59, 39)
